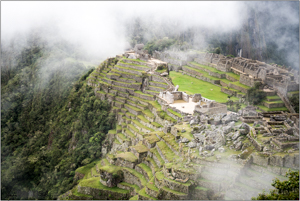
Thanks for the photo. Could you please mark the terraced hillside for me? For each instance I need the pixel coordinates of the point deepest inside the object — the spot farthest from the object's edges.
(156, 152)
(222, 83)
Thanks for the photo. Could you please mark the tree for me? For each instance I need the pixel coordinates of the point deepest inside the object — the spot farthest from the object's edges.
(294, 100)
(254, 95)
(285, 190)
(238, 106)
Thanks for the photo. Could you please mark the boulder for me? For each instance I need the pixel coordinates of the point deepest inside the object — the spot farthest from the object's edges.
(194, 122)
(238, 145)
(230, 117)
(235, 136)
(227, 129)
(244, 128)
(184, 140)
(209, 147)
(221, 149)
(231, 124)
(258, 123)
(192, 144)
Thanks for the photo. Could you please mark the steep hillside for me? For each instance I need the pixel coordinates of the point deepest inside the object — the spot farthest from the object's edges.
(51, 122)
(158, 152)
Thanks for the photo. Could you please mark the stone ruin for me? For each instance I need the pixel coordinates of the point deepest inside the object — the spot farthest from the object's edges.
(250, 71)
(208, 155)
(206, 106)
(138, 52)
(170, 97)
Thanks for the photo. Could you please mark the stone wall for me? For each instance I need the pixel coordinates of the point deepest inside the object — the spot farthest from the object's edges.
(126, 90)
(133, 76)
(157, 78)
(167, 96)
(151, 98)
(129, 71)
(232, 79)
(223, 83)
(136, 62)
(238, 88)
(158, 85)
(100, 194)
(273, 105)
(246, 80)
(293, 87)
(257, 146)
(228, 91)
(262, 73)
(177, 95)
(218, 108)
(260, 160)
(185, 97)
(250, 72)
(203, 62)
(191, 71)
(134, 67)
(173, 67)
(175, 61)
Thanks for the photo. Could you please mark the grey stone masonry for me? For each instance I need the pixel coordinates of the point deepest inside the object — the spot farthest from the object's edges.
(128, 70)
(157, 78)
(158, 84)
(137, 62)
(133, 66)
(218, 75)
(100, 194)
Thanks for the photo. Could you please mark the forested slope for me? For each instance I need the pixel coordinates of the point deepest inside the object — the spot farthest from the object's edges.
(51, 122)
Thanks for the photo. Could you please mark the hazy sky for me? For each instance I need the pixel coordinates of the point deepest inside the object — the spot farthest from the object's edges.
(99, 26)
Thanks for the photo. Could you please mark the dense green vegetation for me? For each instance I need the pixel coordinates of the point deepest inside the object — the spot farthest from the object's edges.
(51, 124)
(294, 100)
(158, 45)
(284, 190)
(254, 95)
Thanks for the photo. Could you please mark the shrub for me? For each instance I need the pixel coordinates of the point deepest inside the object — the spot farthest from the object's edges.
(284, 190)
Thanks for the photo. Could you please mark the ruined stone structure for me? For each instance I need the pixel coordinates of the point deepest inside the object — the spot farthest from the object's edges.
(210, 107)
(158, 152)
(250, 71)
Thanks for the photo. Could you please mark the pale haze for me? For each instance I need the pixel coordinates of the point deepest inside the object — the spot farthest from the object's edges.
(99, 26)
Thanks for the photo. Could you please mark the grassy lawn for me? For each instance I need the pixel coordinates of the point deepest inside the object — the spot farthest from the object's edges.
(156, 105)
(199, 86)
(87, 168)
(241, 85)
(159, 82)
(146, 67)
(139, 92)
(128, 156)
(95, 183)
(273, 97)
(212, 69)
(175, 113)
(270, 102)
(135, 60)
(204, 73)
(235, 76)
(225, 80)
(293, 92)
(272, 109)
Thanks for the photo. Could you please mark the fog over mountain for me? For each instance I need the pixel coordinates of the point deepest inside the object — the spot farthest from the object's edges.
(100, 27)
(52, 123)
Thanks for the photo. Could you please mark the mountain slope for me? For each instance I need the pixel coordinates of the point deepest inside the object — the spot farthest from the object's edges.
(48, 118)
